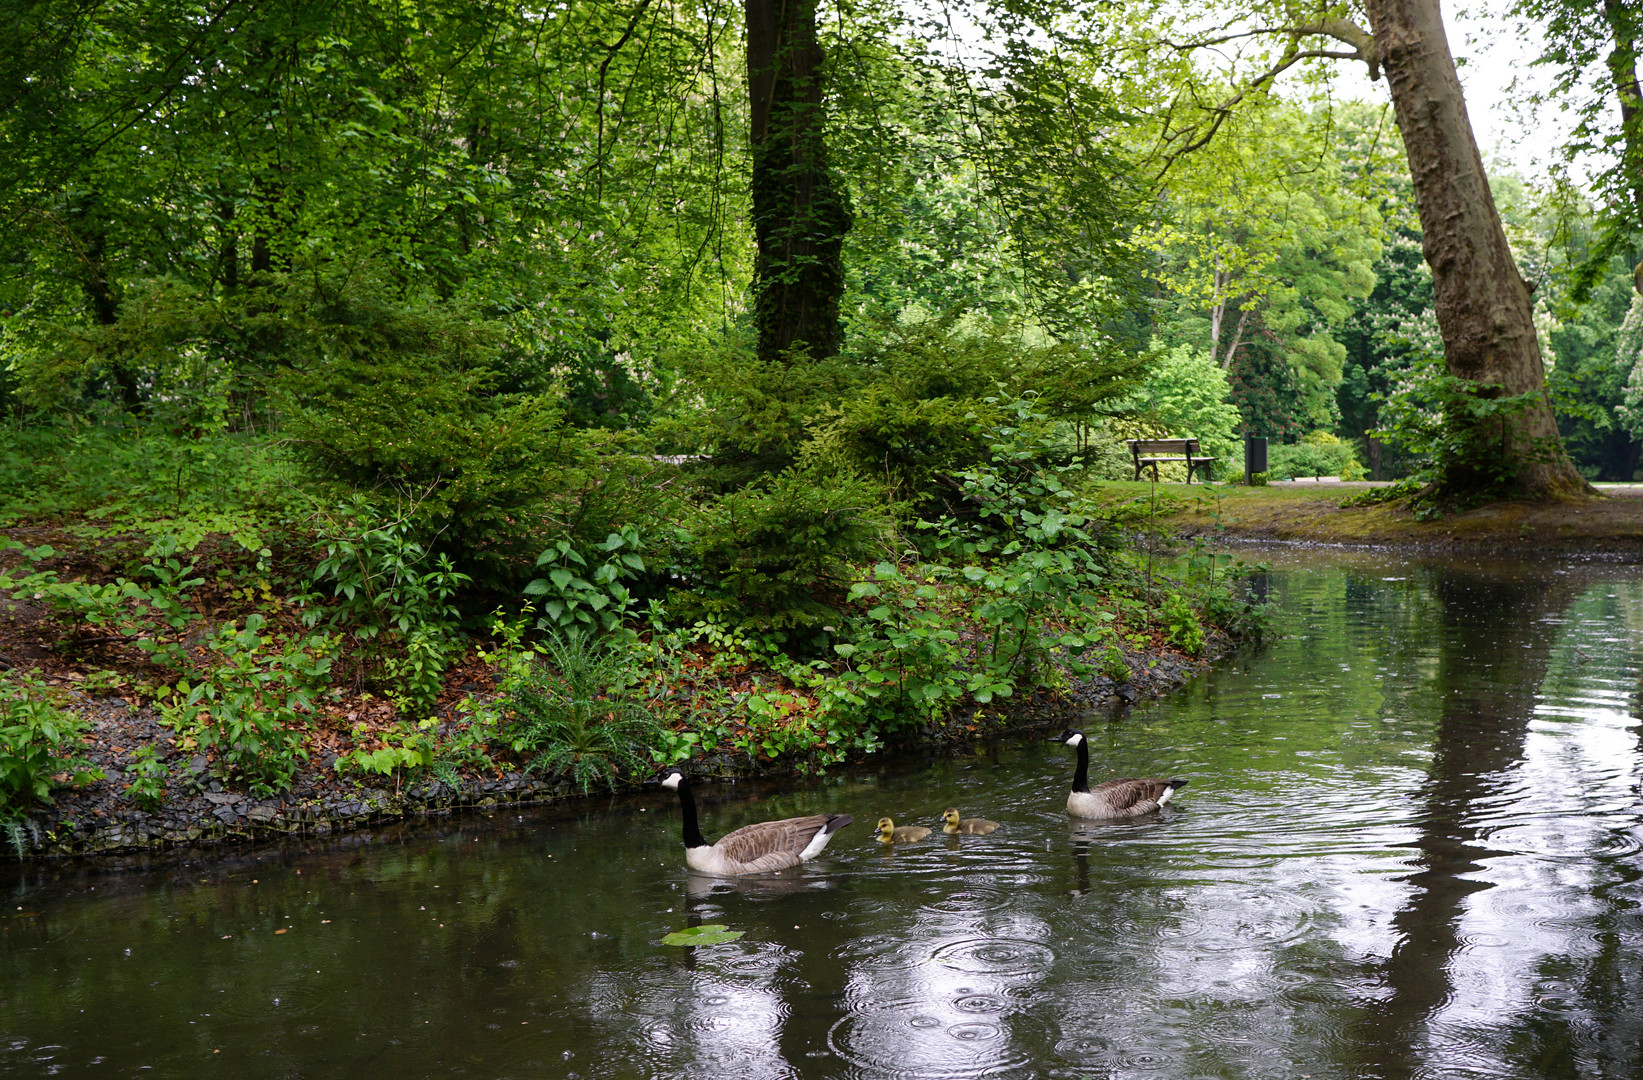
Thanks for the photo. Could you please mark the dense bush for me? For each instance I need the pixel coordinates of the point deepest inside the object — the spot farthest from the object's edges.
(909, 403)
(776, 553)
(1319, 454)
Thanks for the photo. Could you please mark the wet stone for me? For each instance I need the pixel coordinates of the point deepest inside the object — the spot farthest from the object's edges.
(227, 815)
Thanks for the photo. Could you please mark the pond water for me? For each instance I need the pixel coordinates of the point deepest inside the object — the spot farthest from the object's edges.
(1412, 846)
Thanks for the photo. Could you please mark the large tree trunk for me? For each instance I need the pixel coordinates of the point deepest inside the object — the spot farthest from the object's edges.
(1482, 303)
(799, 214)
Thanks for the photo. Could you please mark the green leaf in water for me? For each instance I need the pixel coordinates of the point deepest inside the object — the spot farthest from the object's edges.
(711, 934)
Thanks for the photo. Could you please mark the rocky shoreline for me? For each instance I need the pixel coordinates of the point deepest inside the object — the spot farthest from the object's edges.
(100, 819)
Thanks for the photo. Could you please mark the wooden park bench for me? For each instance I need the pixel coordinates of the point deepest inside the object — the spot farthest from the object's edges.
(1158, 451)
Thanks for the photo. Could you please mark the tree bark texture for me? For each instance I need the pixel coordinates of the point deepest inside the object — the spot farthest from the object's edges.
(1483, 305)
(799, 213)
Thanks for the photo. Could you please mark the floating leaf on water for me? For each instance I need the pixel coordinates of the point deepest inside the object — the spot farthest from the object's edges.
(711, 934)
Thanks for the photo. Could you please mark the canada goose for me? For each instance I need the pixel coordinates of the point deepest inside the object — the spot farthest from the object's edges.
(1115, 798)
(753, 849)
(975, 826)
(889, 834)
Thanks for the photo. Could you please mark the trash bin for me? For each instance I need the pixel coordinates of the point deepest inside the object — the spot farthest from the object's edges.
(1254, 456)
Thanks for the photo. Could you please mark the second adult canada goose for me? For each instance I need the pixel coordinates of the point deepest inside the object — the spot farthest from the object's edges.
(952, 826)
(752, 849)
(906, 834)
(1116, 798)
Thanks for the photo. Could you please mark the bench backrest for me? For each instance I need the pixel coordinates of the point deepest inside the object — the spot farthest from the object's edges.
(1163, 446)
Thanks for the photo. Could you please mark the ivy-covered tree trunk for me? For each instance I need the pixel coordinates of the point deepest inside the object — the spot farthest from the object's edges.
(1483, 305)
(799, 213)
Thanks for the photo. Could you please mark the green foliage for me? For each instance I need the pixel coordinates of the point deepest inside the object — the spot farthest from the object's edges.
(573, 713)
(573, 604)
(407, 748)
(1376, 495)
(1185, 395)
(1185, 631)
(1113, 665)
(146, 474)
(773, 553)
(1318, 454)
(1461, 432)
(403, 402)
(119, 608)
(393, 596)
(37, 741)
(705, 934)
(148, 773)
(252, 706)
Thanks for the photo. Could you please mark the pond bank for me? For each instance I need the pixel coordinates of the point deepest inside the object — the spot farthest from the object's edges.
(1312, 513)
(102, 819)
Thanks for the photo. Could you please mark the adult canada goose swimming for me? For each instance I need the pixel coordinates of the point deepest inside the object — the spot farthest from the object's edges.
(952, 826)
(889, 834)
(753, 849)
(1115, 798)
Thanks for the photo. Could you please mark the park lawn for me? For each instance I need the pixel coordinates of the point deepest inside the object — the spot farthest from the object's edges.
(1312, 513)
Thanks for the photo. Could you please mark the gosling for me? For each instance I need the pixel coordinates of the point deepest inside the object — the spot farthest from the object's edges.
(975, 826)
(906, 834)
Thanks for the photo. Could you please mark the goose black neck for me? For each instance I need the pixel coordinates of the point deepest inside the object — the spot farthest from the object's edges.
(1081, 778)
(687, 803)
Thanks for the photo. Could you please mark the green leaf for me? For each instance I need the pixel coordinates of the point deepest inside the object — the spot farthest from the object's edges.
(709, 934)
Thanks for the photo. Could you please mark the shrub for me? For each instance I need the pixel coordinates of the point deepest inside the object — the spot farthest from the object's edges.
(575, 715)
(586, 593)
(393, 596)
(403, 401)
(253, 704)
(778, 550)
(37, 740)
(1319, 454)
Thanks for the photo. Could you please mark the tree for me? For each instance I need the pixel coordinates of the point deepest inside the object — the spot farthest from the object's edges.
(1263, 232)
(799, 211)
(1581, 35)
(1498, 394)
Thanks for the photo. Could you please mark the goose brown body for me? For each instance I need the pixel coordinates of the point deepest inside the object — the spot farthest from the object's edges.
(753, 849)
(1130, 797)
(891, 833)
(952, 825)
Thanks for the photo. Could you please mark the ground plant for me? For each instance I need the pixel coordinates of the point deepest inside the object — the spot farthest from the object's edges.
(39, 741)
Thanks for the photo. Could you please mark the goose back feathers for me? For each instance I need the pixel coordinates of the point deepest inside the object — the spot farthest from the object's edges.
(1130, 797)
(753, 849)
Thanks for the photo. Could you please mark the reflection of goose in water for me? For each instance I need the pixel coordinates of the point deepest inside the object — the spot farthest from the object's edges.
(890, 833)
(753, 849)
(784, 883)
(952, 826)
(1130, 797)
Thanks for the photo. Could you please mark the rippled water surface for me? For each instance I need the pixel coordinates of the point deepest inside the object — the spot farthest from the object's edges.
(1411, 847)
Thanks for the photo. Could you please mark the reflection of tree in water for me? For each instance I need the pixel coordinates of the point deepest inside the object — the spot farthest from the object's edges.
(1493, 650)
(1589, 1020)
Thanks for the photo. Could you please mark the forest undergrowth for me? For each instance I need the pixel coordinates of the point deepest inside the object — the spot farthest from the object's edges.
(190, 613)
